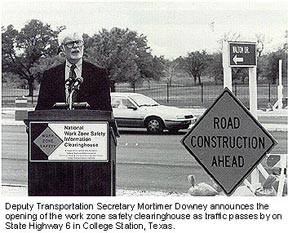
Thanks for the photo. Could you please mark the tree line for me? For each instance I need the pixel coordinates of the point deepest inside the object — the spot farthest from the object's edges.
(124, 54)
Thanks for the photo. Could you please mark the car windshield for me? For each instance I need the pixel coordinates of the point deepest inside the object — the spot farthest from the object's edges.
(141, 100)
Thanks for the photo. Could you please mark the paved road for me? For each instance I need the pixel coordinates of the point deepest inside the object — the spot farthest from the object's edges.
(144, 162)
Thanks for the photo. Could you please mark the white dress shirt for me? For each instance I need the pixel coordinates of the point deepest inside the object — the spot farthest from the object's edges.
(78, 71)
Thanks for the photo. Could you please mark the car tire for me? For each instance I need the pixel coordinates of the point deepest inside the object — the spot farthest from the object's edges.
(154, 125)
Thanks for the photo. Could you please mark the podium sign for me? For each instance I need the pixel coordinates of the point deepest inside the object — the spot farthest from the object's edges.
(71, 153)
(228, 142)
(68, 141)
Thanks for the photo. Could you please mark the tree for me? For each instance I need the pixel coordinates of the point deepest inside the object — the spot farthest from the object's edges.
(230, 36)
(124, 54)
(215, 68)
(240, 74)
(11, 80)
(195, 64)
(261, 42)
(170, 68)
(271, 65)
(23, 50)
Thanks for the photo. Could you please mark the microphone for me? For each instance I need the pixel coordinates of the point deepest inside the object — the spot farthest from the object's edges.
(68, 83)
(76, 85)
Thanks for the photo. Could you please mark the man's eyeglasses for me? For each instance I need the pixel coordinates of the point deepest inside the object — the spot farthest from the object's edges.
(71, 44)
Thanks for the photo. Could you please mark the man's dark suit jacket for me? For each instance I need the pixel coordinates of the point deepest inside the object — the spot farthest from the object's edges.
(95, 89)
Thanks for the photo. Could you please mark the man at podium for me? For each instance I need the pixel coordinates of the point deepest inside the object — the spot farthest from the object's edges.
(87, 82)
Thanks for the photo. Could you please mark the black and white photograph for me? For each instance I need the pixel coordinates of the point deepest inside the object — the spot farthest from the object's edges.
(154, 100)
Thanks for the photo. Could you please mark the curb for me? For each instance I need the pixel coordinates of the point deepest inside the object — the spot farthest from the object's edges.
(269, 127)
(22, 190)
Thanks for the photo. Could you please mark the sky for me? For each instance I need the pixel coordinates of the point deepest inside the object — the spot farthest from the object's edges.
(172, 28)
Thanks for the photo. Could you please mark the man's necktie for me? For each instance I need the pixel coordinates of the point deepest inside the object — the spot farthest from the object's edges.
(72, 75)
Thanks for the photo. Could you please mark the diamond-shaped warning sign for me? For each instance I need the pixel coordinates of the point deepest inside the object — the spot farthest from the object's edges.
(228, 142)
(48, 141)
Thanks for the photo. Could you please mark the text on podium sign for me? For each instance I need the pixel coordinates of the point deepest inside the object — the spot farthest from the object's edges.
(67, 141)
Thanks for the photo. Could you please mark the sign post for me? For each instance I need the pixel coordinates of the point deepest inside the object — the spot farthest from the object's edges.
(227, 71)
(228, 142)
(242, 54)
(280, 87)
(253, 91)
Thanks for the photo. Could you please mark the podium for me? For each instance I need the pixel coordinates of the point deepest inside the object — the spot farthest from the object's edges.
(71, 153)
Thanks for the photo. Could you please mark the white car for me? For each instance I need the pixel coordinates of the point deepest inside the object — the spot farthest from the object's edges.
(139, 111)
